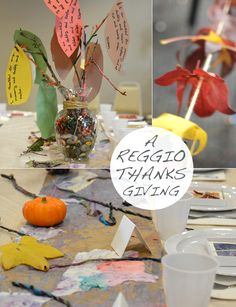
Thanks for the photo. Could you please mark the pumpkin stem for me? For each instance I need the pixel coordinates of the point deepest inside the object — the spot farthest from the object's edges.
(44, 199)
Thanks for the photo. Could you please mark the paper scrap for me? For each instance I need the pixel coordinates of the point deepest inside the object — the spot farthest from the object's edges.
(103, 274)
(123, 236)
(18, 77)
(69, 29)
(21, 299)
(58, 7)
(117, 35)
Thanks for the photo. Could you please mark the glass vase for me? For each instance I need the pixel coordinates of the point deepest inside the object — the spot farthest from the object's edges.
(75, 128)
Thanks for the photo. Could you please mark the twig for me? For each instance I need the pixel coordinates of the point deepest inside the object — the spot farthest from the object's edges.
(98, 177)
(12, 230)
(102, 73)
(61, 266)
(110, 206)
(39, 292)
(206, 65)
(17, 187)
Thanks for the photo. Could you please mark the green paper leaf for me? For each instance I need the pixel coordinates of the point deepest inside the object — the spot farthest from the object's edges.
(46, 108)
(32, 44)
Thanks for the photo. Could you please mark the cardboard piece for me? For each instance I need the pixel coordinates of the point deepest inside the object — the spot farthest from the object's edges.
(123, 235)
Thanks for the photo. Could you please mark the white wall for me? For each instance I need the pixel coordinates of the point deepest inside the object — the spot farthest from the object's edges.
(34, 16)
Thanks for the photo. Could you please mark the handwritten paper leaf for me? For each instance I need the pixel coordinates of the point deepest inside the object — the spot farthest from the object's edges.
(69, 29)
(117, 35)
(58, 7)
(18, 77)
(213, 94)
(93, 78)
(33, 44)
(29, 252)
(62, 63)
(46, 108)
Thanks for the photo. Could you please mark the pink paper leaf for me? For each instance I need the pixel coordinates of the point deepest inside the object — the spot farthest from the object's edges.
(117, 35)
(62, 63)
(69, 29)
(93, 78)
(58, 7)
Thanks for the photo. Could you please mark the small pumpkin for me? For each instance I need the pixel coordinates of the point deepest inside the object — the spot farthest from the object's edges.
(44, 211)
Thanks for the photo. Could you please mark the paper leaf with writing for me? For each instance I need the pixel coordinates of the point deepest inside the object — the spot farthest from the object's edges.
(58, 7)
(117, 35)
(29, 252)
(33, 44)
(93, 77)
(18, 77)
(69, 29)
(46, 109)
(62, 63)
(213, 95)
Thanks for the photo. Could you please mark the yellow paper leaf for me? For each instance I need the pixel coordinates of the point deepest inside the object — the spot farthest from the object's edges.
(183, 128)
(18, 77)
(29, 252)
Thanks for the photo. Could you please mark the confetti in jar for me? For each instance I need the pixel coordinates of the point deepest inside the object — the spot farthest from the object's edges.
(76, 130)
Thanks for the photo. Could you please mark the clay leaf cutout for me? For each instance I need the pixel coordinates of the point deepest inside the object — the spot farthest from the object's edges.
(18, 77)
(62, 63)
(69, 29)
(35, 47)
(29, 252)
(117, 35)
(58, 7)
(93, 77)
(213, 94)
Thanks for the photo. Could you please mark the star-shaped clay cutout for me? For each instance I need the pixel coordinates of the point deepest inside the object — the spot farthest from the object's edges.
(29, 252)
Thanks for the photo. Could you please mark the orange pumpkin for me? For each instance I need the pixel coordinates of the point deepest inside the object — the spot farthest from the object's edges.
(44, 211)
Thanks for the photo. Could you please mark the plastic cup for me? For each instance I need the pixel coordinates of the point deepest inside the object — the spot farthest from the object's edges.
(188, 279)
(173, 219)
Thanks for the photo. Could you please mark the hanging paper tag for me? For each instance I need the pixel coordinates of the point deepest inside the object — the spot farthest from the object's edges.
(58, 7)
(117, 35)
(18, 77)
(69, 29)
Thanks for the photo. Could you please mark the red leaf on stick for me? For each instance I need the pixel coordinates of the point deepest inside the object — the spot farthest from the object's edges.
(213, 95)
(58, 7)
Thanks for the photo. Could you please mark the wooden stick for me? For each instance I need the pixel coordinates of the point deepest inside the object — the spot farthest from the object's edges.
(206, 65)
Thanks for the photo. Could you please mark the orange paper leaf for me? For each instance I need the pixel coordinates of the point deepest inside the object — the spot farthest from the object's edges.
(69, 29)
(58, 7)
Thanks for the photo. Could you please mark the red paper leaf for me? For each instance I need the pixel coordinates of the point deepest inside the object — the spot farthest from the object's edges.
(58, 7)
(93, 78)
(62, 63)
(117, 35)
(69, 29)
(213, 94)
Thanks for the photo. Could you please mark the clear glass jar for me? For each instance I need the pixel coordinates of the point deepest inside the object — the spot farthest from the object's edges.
(75, 128)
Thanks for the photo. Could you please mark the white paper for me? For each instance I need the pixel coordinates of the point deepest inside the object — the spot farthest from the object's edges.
(120, 301)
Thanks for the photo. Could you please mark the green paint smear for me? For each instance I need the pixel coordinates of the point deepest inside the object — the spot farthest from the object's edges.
(91, 282)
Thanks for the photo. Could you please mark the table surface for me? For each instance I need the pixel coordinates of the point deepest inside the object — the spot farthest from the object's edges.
(79, 225)
(14, 141)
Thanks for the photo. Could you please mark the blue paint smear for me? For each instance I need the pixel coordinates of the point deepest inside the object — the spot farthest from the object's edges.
(91, 282)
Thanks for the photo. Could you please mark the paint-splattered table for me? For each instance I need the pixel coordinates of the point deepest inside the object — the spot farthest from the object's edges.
(83, 233)
(14, 136)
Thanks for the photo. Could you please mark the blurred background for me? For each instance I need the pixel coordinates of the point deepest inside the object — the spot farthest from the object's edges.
(184, 17)
(36, 17)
